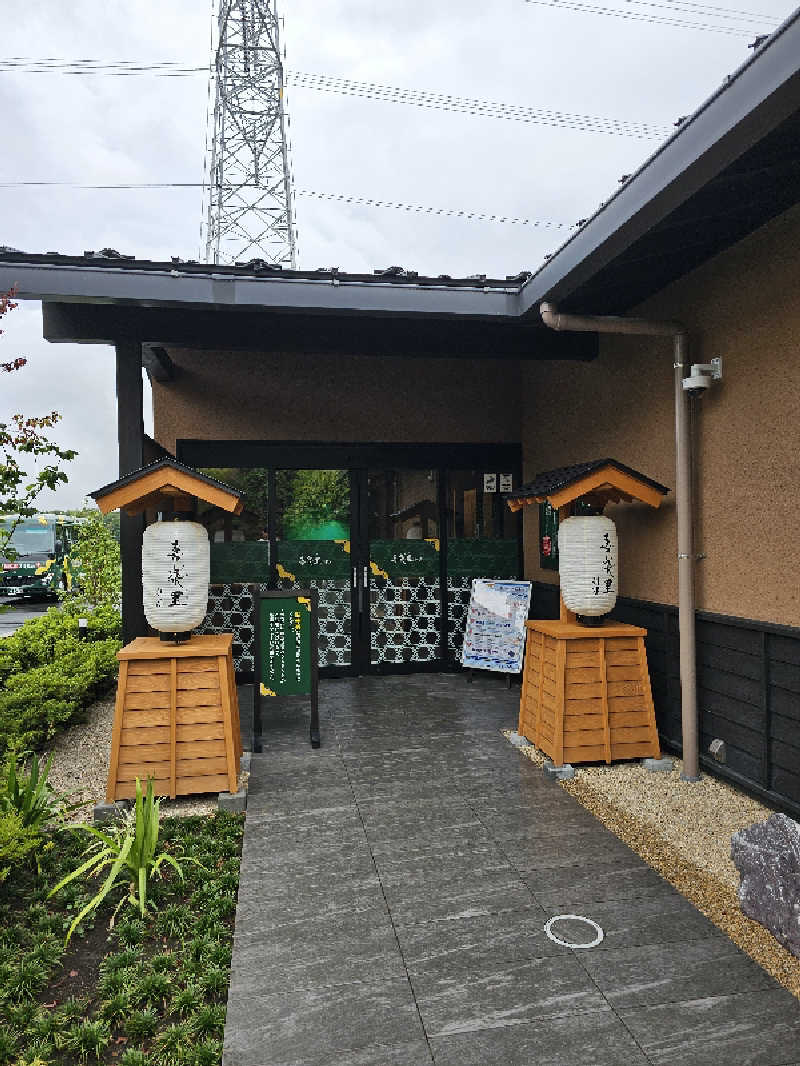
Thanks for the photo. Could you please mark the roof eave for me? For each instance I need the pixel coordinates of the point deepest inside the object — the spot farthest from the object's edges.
(750, 104)
(154, 288)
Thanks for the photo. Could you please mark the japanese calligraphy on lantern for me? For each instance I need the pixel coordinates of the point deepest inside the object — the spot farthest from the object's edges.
(494, 638)
(172, 592)
(606, 581)
(175, 573)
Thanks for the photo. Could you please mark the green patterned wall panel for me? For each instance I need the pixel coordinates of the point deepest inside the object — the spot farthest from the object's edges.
(240, 562)
(483, 558)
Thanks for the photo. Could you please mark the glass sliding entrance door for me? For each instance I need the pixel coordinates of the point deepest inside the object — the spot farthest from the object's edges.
(482, 541)
(402, 556)
(311, 546)
(390, 535)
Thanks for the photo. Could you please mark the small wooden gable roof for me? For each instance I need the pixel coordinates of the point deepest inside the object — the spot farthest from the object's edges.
(165, 485)
(601, 481)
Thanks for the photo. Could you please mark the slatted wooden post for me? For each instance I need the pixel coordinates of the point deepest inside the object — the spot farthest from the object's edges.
(587, 696)
(176, 718)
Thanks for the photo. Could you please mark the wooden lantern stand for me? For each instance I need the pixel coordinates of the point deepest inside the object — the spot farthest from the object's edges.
(586, 693)
(176, 718)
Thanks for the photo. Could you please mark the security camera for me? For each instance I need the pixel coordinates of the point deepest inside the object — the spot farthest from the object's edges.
(696, 383)
(701, 377)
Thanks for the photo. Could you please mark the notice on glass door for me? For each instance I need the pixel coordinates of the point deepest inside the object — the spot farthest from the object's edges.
(494, 638)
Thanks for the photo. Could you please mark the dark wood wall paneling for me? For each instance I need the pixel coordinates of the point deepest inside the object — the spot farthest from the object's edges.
(748, 678)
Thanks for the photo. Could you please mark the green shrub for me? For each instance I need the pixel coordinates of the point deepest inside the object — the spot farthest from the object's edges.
(42, 639)
(17, 841)
(141, 1024)
(48, 676)
(185, 1001)
(89, 1038)
(209, 1053)
(133, 1057)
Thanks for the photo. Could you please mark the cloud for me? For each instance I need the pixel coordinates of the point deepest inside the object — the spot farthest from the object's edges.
(58, 127)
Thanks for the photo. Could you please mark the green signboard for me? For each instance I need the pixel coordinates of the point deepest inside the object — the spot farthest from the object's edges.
(286, 653)
(494, 558)
(392, 559)
(313, 560)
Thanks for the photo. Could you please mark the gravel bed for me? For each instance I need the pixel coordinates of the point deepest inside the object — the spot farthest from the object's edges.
(80, 766)
(683, 830)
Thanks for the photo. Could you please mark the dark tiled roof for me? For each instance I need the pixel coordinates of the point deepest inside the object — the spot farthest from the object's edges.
(258, 268)
(550, 481)
(172, 464)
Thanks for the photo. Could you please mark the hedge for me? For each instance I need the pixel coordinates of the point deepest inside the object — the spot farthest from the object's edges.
(49, 676)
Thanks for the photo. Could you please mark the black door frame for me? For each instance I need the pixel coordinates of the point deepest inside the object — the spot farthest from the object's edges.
(359, 459)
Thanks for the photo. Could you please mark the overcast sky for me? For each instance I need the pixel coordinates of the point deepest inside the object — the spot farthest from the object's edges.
(150, 129)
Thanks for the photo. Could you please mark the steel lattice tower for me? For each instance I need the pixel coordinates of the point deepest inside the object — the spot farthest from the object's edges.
(250, 197)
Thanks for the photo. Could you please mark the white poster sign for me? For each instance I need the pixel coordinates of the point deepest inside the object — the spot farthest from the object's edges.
(494, 638)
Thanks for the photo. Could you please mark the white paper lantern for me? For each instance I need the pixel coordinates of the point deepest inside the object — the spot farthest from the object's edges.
(587, 563)
(176, 569)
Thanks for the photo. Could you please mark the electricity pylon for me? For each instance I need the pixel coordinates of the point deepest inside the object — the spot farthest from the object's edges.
(250, 196)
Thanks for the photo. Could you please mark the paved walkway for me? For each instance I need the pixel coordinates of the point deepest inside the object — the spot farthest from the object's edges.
(394, 888)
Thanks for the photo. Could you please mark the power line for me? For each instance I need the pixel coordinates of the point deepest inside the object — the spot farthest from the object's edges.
(658, 20)
(392, 94)
(342, 198)
(472, 106)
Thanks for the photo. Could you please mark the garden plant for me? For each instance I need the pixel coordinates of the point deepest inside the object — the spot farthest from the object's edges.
(130, 851)
(149, 991)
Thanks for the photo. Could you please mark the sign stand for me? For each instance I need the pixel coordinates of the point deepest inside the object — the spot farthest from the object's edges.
(286, 653)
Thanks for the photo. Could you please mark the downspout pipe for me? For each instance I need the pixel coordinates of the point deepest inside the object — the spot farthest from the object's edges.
(555, 319)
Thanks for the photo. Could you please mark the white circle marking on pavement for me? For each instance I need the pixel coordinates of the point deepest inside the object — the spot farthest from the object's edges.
(575, 918)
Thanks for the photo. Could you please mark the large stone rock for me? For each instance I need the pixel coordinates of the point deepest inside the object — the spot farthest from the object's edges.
(767, 856)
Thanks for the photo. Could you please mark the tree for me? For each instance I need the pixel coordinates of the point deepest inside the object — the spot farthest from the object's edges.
(25, 437)
(96, 568)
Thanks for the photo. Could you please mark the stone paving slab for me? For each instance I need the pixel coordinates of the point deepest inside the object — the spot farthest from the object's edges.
(594, 1039)
(656, 974)
(750, 1029)
(394, 890)
(505, 996)
(315, 1026)
(321, 951)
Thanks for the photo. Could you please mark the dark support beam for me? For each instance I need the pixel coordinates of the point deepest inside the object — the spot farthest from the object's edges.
(130, 432)
(157, 363)
(297, 333)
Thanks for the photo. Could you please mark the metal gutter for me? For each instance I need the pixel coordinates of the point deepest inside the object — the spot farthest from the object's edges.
(175, 288)
(763, 92)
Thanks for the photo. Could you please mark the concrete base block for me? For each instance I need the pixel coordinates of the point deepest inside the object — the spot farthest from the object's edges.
(104, 813)
(659, 766)
(519, 742)
(559, 773)
(233, 802)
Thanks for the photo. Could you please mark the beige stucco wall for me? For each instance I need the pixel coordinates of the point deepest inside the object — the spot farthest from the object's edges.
(271, 396)
(744, 306)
